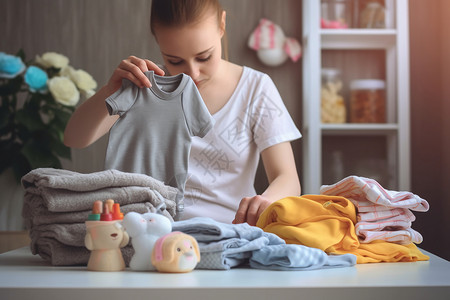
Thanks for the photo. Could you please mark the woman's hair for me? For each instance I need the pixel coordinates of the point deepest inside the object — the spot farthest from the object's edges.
(177, 13)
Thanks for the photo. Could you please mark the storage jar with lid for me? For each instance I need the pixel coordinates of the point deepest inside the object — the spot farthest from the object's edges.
(332, 103)
(336, 14)
(368, 101)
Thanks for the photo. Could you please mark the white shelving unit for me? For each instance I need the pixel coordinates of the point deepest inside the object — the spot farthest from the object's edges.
(393, 43)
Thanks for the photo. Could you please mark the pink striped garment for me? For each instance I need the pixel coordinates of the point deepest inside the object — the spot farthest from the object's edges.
(381, 214)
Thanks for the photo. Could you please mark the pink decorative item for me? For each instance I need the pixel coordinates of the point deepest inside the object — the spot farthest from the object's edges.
(272, 46)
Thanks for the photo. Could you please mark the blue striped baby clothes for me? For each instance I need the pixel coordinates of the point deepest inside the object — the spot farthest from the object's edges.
(223, 246)
(205, 229)
(294, 257)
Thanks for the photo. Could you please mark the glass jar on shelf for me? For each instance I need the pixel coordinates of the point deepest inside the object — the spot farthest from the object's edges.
(368, 101)
(336, 14)
(332, 103)
(374, 14)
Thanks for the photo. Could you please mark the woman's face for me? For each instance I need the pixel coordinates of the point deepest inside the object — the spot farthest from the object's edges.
(194, 49)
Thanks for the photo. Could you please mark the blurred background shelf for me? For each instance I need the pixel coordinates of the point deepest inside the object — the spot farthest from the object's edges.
(377, 150)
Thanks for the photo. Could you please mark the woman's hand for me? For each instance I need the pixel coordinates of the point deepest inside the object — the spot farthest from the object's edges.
(250, 209)
(132, 68)
(283, 180)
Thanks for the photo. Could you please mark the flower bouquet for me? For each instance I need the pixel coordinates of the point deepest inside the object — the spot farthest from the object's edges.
(37, 100)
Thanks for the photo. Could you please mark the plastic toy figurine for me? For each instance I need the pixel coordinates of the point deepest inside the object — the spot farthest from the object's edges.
(144, 230)
(176, 252)
(104, 239)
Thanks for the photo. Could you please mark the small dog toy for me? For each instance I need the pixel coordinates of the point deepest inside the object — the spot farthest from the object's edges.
(176, 252)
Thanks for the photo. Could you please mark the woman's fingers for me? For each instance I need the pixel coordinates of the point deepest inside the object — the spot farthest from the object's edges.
(152, 66)
(135, 67)
(250, 208)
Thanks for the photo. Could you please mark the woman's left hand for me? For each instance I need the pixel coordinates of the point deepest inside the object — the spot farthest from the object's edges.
(250, 209)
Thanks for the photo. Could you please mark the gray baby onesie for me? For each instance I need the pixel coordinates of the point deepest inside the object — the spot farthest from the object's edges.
(154, 131)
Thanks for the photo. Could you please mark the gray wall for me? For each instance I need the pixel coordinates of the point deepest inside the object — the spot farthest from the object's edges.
(97, 34)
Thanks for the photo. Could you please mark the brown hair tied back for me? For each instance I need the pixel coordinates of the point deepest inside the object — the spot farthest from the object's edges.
(175, 13)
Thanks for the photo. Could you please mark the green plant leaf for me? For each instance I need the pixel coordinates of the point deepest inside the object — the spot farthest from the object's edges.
(21, 54)
(20, 166)
(6, 152)
(61, 150)
(5, 112)
(30, 119)
(11, 86)
(39, 155)
(9, 155)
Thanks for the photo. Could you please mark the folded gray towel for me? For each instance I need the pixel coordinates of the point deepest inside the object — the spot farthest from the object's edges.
(59, 254)
(46, 217)
(66, 234)
(70, 180)
(67, 191)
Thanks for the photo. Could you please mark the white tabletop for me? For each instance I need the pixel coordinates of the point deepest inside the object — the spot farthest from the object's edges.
(24, 276)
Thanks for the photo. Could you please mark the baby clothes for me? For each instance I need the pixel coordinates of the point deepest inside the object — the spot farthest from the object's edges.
(297, 258)
(372, 195)
(382, 214)
(224, 246)
(392, 229)
(153, 134)
(223, 164)
(328, 223)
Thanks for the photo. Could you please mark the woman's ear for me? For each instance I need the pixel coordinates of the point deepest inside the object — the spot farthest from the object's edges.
(223, 23)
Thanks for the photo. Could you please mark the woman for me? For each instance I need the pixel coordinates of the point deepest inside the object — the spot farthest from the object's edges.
(250, 117)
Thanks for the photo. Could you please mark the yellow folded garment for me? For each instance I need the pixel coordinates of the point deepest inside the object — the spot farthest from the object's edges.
(328, 223)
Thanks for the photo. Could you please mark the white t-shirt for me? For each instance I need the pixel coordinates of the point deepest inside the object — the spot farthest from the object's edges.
(223, 164)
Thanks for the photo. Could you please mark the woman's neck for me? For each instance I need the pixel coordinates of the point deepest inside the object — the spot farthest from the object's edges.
(220, 89)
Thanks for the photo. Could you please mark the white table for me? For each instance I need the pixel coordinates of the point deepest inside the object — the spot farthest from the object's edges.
(24, 276)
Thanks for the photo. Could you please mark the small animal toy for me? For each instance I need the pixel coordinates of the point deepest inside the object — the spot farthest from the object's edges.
(176, 252)
(144, 230)
(104, 239)
(105, 236)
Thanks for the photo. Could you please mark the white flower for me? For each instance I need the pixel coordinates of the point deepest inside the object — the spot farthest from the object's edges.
(52, 59)
(64, 90)
(67, 71)
(84, 80)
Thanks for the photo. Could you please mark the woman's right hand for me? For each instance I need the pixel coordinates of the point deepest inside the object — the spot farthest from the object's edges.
(132, 68)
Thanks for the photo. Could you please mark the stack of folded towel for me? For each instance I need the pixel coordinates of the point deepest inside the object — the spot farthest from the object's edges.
(381, 214)
(223, 246)
(57, 203)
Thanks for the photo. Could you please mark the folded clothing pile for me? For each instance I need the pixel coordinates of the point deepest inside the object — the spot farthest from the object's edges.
(57, 203)
(381, 214)
(329, 224)
(224, 246)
